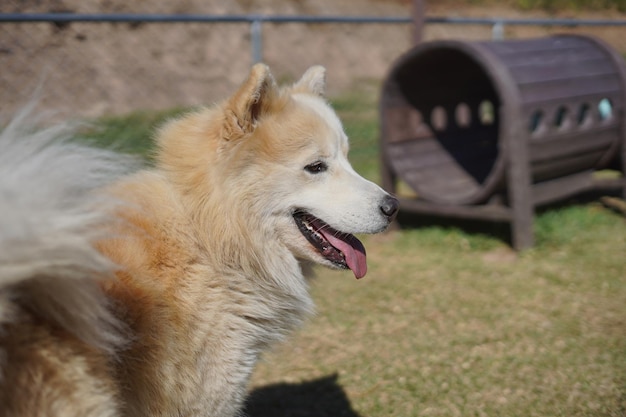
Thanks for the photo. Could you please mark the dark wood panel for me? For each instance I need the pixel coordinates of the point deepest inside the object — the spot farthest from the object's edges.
(565, 165)
(556, 71)
(483, 212)
(415, 156)
(562, 90)
(578, 142)
(533, 46)
(557, 189)
(550, 56)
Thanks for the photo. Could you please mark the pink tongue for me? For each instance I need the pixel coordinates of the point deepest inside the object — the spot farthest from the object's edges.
(352, 250)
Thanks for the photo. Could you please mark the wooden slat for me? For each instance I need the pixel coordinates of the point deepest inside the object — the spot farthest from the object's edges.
(426, 150)
(557, 71)
(407, 159)
(557, 189)
(565, 165)
(592, 98)
(515, 47)
(450, 185)
(482, 212)
(572, 143)
(547, 56)
(567, 90)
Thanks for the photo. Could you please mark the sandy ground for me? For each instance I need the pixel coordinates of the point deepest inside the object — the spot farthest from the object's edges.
(93, 69)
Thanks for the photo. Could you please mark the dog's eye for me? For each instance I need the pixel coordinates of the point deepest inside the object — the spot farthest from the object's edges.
(316, 167)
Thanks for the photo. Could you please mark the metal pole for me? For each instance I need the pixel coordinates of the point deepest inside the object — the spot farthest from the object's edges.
(419, 17)
(256, 34)
(497, 31)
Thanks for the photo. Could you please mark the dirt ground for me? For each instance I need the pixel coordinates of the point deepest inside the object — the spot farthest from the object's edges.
(93, 69)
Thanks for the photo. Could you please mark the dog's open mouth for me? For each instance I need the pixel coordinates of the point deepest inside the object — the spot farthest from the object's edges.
(342, 249)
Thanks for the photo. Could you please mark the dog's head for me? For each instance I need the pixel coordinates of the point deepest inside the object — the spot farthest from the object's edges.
(278, 158)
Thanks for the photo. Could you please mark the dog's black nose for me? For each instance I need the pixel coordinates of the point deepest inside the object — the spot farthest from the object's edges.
(389, 207)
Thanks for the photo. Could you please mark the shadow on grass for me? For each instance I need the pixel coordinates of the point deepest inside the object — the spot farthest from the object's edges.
(322, 397)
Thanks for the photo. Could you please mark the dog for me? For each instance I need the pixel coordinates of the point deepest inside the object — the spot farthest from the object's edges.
(153, 293)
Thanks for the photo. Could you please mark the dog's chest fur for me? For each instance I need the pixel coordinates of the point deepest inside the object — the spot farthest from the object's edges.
(200, 323)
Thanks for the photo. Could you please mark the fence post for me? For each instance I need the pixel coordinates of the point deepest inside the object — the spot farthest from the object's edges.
(497, 31)
(256, 40)
(419, 18)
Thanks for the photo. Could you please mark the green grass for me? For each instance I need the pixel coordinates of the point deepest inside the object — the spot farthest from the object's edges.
(453, 323)
(447, 323)
(358, 111)
(131, 133)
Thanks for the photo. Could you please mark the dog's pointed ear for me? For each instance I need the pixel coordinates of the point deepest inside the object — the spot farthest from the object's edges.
(247, 105)
(313, 81)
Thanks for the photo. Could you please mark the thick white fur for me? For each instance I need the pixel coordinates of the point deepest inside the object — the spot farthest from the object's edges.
(58, 332)
(48, 221)
(341, 197)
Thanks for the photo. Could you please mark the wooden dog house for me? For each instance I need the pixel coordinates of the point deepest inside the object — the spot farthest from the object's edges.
(490, 130)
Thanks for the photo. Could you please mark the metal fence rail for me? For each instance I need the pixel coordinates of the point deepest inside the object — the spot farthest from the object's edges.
(256, 20)
(180, 18)
(158, 59)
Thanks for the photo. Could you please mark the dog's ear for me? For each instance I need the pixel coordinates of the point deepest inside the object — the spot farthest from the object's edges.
(313, 81)
(247, 105)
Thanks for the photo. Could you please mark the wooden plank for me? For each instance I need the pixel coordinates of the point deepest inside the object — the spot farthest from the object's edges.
(533, 46)
(565, 166)
(563, 90)
(432, 151)
(448, 169)
(559, 188)
(446, 176)
(572, 143)
(481, 159)
(451, 186)
(548, 56)
(480, 212)
(589, 97)
(557, 71)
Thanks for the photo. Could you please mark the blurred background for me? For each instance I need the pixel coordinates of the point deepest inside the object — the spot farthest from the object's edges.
(450, 321)
(95, 69)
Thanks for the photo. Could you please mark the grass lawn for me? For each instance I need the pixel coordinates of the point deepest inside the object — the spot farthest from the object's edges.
(452, 323)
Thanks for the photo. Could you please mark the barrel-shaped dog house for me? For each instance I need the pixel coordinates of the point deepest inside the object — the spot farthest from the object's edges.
(463, 122)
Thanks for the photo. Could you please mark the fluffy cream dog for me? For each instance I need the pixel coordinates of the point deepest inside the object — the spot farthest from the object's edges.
(156, 295)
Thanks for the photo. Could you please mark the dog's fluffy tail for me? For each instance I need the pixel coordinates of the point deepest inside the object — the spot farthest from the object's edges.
(49, 219)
